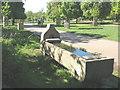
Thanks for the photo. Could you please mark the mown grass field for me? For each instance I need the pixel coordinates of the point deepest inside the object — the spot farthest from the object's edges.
(105, 29)
(105, 32)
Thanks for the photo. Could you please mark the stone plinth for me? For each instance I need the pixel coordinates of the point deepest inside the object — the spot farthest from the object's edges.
(58, 22)
(20, 26)
(66, 24)
(50, 33)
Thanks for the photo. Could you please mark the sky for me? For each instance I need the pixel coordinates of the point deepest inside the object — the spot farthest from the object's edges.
(35, 5)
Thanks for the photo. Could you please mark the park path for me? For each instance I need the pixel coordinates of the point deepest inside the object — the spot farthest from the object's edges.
(106, 47)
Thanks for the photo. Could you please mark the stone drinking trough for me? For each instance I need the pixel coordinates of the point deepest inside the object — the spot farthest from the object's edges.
(82, 68)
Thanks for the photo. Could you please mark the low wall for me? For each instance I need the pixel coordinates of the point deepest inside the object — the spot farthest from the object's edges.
(80, 68)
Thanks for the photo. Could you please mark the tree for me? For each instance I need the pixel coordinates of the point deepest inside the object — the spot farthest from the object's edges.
(115, 12)
(5, 12)
(41, 14)
(77, 12)
(49, 11)
(17, 11)
(98, 10)
(29, 15)
(67, 13)
(54, 11)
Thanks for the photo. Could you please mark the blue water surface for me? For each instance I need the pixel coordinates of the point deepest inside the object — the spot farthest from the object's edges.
(81, 53)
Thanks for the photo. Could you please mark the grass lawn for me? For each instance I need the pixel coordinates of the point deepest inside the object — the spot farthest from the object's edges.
(23, 65)
(101, 31)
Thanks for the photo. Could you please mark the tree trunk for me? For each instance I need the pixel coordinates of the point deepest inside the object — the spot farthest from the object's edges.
(41, 21)
(4, 21)
(67, 23)
(13, 21)
(76, 20)
(58, 22)
(117, 18)
(94, 21)
(7, 21)
(53, 19)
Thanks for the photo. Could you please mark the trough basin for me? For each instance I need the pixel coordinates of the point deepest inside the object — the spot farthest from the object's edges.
(83, 67)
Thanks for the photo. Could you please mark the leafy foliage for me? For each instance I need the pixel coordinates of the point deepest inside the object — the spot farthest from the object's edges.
(17, 10)
(115, 12)
(96, 9)
(53, 10)
(35, 16)
(25, 67)
(77, 12)
(5, 9)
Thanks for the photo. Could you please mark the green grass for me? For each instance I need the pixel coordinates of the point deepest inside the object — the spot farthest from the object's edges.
(109, 32)
(116, 74)
(99, 22)
(25, 67)
(66, 47)
(105, 32)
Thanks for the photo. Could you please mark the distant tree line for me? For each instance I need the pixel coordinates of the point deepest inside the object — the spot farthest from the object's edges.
(35, 16)
(66, 11)
(89, 10)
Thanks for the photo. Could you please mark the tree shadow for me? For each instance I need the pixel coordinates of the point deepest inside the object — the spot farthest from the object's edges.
(72, 37)
(102, 23)
(82, 23)
(97, 36)
(74, 26)
(46, 26)
(30, 26)
(90, 28)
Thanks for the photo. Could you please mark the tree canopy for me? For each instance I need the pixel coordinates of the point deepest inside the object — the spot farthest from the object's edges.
(115, 12)
(17, 10)
(5, 9)
(34, 16)
(97, 10)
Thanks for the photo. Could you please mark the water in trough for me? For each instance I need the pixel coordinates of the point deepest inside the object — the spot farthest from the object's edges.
(81, 53)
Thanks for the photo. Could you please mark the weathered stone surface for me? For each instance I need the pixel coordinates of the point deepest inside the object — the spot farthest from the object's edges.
(81, 68)
(65, 58)
(53, 40)
(20, 26)
(50, 32)
(86, 68)
(58, 22)
(66, 23)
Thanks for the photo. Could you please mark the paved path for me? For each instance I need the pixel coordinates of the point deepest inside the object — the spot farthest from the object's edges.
(106, 47)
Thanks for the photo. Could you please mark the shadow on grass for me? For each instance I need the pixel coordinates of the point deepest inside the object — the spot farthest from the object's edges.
(46, 26)
(95, 35)
(82, 23)
(24, 66)
(90, 28)
(91, 23)
(102, 23)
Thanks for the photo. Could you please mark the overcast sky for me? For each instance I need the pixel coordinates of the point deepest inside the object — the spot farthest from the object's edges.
(35, 5)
